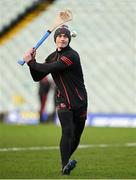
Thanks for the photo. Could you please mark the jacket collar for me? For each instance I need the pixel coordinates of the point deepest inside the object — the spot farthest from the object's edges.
(64, 49)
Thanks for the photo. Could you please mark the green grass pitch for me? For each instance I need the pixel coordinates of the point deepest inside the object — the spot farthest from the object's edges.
(114, 160)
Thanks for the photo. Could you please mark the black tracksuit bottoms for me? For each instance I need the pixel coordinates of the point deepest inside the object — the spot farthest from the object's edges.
(72, 123)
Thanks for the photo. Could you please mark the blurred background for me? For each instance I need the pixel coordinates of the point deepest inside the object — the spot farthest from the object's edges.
(106, 42)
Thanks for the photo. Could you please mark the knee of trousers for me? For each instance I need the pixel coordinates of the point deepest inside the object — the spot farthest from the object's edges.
(67, 132)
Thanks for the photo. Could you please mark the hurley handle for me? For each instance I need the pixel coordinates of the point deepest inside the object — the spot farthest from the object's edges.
(47, 33)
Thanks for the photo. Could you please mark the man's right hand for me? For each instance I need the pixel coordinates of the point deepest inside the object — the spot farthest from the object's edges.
(29, 55)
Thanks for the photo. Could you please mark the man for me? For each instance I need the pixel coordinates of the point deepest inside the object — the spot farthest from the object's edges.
(71, 97)
(44, 87)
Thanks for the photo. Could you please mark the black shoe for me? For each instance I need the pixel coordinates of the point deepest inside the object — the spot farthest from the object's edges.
(70, 166)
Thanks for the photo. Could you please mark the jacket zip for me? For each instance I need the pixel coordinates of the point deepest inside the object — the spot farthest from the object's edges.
(65, 90)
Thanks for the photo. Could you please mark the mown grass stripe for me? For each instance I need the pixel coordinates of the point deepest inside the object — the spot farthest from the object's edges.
(83, 146)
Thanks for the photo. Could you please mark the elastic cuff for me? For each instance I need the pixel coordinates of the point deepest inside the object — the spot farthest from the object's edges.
(31, 62)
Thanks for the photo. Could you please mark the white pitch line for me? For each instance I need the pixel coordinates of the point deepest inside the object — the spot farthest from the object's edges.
(83, 146)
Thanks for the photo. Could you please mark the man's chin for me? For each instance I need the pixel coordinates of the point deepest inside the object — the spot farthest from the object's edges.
(62, 47)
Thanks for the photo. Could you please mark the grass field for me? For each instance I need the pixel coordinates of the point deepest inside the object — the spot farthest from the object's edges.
(111, 153)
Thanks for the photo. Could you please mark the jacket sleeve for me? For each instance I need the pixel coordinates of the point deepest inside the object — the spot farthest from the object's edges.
(40, 70)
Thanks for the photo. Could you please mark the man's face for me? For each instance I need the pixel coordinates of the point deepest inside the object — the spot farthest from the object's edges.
(61, 41)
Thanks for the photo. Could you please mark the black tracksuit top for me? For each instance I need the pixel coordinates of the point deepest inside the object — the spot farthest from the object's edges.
(66, 70)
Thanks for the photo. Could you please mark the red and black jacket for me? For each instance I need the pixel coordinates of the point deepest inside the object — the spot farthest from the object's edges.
(66, 70)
